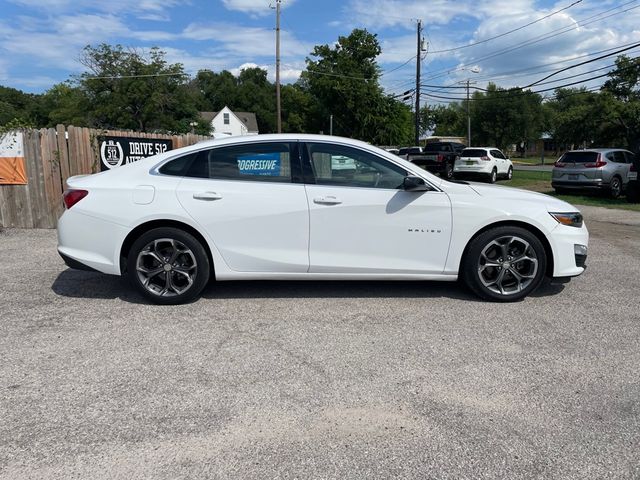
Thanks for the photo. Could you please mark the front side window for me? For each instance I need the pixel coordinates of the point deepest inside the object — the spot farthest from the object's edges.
(350, 167)
(262, 162)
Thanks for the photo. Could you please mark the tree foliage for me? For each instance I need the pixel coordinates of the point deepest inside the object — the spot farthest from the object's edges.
(130, 89)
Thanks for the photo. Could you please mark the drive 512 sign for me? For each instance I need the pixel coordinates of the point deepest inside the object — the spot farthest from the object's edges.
(116, 151)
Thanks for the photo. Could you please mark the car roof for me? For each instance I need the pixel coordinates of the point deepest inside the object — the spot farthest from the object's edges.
(598, 150)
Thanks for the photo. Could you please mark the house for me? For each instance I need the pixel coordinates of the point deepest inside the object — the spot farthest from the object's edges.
(231, 123)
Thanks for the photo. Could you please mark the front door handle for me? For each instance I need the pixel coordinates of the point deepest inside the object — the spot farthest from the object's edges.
(207, 196)
(328, 200)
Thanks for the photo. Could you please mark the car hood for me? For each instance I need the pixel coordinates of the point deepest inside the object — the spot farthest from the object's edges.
(516, 194)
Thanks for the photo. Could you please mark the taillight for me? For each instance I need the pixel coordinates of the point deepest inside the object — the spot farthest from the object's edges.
(71, 197)
(558, 164)
(632, 168)
(485, 158)
(599, 163)
(440, 158)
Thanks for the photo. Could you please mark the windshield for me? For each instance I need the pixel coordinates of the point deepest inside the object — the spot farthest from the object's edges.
(473, 152)
(579, 157)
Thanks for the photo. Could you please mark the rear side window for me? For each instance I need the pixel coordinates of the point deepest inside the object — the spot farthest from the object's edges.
(618, 157)
(261, 162)
(178, 166)
(473, 152)
(579, 157)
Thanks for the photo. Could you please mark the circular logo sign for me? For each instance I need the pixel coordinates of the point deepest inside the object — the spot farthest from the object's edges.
(111, 154)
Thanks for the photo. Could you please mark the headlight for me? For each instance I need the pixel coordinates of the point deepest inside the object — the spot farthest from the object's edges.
(573, 219)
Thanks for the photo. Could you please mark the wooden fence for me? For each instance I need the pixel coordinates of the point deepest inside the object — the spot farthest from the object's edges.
(51, 156)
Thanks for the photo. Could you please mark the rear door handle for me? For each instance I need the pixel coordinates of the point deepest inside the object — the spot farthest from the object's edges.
(328, 200)
(207, 196)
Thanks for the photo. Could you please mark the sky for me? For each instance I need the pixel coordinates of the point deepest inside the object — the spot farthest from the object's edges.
(484, 41)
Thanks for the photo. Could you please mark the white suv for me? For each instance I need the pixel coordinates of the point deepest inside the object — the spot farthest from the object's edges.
(488, 162)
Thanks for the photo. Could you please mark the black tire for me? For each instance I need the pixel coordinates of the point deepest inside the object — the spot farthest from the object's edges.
(615, 187)
(493, 176)
(510, 173)
(488, 248)
(448, 171)
(173, 263)
(633, 192)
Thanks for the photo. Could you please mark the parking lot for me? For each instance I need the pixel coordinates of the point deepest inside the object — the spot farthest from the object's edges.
(320, 380)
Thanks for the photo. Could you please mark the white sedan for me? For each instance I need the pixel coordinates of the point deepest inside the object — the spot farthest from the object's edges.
(488, 162)
(275, 207)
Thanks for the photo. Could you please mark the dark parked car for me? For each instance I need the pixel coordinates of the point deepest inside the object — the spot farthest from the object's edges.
(438, 157)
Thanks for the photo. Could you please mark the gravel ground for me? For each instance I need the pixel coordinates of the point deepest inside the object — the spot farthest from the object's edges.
(320, 380)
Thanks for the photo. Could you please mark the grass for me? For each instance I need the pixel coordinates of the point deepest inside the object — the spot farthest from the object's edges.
(541, 182)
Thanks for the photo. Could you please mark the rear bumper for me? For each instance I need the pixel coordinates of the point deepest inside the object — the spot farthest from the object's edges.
(581, 185)
(87, 242)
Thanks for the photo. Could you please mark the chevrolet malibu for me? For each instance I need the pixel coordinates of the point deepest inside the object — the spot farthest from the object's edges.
(275, 207)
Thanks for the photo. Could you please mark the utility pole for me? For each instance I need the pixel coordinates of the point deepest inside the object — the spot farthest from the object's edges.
(469, 83)
(278, 106)
(468, 118)
(418, 53)
(331, 125)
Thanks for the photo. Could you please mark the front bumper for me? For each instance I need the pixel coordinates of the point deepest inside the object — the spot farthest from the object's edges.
(570, 247)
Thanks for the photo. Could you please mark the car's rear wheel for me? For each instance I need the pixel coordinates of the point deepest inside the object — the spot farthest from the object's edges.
(615, 187)
(504, 264)
(168, 266)
(493, 176)
(448, 171)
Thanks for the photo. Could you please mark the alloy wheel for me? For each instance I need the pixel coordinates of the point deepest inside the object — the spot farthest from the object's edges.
(507, 265)
(166, 267)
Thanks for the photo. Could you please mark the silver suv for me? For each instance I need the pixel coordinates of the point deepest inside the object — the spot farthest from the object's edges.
(596, 168)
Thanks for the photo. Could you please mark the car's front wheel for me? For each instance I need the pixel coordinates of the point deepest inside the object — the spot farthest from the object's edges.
(504, 264)
(168, 266)
(510, 173)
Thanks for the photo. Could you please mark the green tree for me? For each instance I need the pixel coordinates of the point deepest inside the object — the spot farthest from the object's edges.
(623, 92)
(343, 80)
(20, 106)
(575, 117)
(129, 90)
(504, 117)
(66, 104)
(449, 120)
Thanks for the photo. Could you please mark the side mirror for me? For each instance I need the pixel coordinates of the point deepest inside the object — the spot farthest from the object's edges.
(414, 184)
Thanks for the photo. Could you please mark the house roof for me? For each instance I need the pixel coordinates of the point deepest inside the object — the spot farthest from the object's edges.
(248, 118)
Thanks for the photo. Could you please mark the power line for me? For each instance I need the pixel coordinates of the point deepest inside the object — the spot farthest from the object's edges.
(540, 38)
(508, 32)
(583, 63)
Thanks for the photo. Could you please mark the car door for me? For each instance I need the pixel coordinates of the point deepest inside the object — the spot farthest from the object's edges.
(500, 161)
(623, 164)
(365, 222)
(244, 197)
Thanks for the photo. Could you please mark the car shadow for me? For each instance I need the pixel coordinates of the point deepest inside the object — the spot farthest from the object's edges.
(82, 284)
